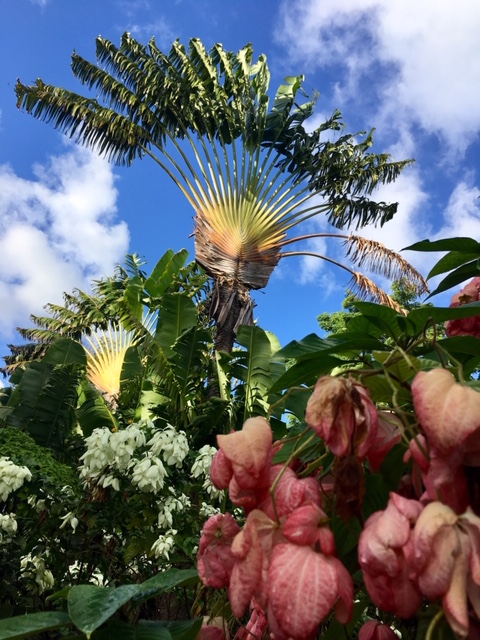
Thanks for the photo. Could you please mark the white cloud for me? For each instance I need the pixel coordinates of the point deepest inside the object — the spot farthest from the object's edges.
(58, 232)
(159, 29)
(420, 58)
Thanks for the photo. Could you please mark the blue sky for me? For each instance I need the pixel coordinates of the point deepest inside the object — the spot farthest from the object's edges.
(410, 69)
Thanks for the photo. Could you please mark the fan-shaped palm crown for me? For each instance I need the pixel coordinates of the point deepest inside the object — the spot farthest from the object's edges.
(251, 171)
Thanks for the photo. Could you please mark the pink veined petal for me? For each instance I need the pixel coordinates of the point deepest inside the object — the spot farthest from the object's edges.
(455, 600)
(303, 587)
(373, 630)
(302, 526)
(249, 450)
(344, 604)
(221, 470)
(437, 568)
(448, 411)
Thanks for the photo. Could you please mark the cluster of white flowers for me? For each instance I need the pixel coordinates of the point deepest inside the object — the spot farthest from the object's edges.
(8, 523)
(148, 474)
(12, 477)
(172, 444)
(203, 462)
(164, 544)
(208, 510)
(201, 467)
(33, 567)
(127, 453)
(171, 505)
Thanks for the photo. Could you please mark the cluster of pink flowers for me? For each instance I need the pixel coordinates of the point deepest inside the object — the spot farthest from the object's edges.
(429, 547)
(465, 326)
(282, 564)
(425, 546)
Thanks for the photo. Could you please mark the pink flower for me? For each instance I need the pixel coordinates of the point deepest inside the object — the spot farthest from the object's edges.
(252, 549)
(256, 626)
(373, 630)
(303, 587)
(211, 631)
(249, 452)
(448, 412)
(385, 551)
(389, 433)
(341, 412)
(465, 326)
(447, 556)
(215, 558)
(442, 474)
(290, 493)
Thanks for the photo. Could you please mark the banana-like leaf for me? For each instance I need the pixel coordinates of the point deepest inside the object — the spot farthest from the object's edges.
(90, 606)
(164, 272)
(32, 624)
(93, 412)
(177, 314)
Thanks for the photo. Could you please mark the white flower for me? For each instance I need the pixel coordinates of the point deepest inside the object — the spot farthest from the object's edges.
(109, 481)
(99, 454)
(8, 523)
(148, 474)
(164, 544)
(207, 510)
(12, 477)
(203, 461)
(34, 567)
(70, 519)
(170, 505)
(171, 444)
(213, 492)
(124, 443)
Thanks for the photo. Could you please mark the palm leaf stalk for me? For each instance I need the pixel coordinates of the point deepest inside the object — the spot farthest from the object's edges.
(251, 173)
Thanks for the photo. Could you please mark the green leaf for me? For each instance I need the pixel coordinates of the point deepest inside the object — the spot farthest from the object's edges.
(93, 412)
(90, 606)
(177, 314)
(458, 276)
(164, 581)
(178, 629)
(434, 315)
(305, 372)
(460, 244)
(451, 261)
(164, 272)
(28, 625)
(66, 351)
(123, 631)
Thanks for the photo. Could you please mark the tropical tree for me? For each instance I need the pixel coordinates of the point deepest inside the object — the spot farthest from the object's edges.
(251, 171)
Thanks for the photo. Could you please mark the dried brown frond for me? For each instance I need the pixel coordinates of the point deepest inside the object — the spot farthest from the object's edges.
(376, 257)
(368, 290)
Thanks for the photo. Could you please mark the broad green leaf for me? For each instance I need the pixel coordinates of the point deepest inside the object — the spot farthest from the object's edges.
(90, 606)
(178, 629)
(164, 581)
(66, 351)
(164, 272)
(306, 372)
(93, 412)
(451, 261)
(31, 624)
(461, 244)
(432, 315)
(458, 276)
(177, 314)
(123, 631)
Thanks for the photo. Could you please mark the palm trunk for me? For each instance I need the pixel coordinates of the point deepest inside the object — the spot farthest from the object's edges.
(231, 306)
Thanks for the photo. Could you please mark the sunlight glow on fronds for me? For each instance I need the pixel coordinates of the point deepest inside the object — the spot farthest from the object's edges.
(105, 355)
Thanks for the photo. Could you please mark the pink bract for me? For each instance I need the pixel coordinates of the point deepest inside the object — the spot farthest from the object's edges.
(303, 587)
(215, 558)
(448, 412)
(447, 555)
(373, 630)
(385, 552)
(250, 452)
(341, 412)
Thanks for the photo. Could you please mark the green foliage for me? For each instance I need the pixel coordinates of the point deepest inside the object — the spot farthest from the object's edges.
(90, 607)
(462, 260)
